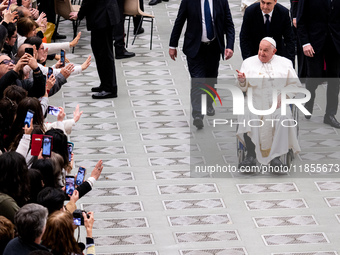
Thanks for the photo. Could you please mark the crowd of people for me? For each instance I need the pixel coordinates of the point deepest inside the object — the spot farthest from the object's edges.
(33, 213)
(37, 216)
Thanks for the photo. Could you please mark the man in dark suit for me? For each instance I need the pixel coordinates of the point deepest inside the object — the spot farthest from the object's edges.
(301, 58)
(318, 26)
(207, 22)
(101, 17)
(267, 19)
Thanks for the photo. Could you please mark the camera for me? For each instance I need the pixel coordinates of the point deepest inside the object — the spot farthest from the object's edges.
(78, 218)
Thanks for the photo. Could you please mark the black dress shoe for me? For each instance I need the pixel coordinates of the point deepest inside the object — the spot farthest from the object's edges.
(104, 94)
(57, 36)
(331, 120)
(276, 162)
(277, 167)
(154, 2)
(140, 31)
(210, 111)
(126, 54)
(248, 162)
(96, 89)
(309, 106)
(198, 122)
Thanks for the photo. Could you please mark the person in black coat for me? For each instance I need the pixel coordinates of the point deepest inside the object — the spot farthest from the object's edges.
(203, 53)
(254, 29)
(101, 17)
(318, 27)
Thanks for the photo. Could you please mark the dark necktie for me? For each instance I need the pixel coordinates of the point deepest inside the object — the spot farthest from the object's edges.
(208, 20)
(267, 24)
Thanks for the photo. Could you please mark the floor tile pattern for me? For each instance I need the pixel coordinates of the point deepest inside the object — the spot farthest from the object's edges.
(145, 202)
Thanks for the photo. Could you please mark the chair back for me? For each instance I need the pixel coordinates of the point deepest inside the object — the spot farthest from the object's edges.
(131, 7)
(63, 8)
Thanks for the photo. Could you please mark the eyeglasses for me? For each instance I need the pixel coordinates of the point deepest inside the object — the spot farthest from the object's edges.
(7, 61)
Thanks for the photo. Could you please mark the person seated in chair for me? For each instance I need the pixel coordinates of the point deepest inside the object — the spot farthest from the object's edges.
(269, 136)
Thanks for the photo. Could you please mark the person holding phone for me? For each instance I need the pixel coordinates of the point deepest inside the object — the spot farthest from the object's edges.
(100, 20)
(9, 72)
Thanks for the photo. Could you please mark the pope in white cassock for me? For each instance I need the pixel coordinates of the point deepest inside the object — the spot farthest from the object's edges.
(267, 139)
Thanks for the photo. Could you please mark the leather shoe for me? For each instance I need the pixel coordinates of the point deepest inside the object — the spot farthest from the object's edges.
(248, 162)
(126, 54)
(210, 111)
(198, 122)
(96, 89)
(57, 36)
(154, 2)
(104, 94)
(140, 31)
(276, 162)
(309, 106)
(331, 120)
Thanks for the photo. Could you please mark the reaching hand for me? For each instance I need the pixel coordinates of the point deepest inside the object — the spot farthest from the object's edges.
(3, 5)
(77, 114)
(34, 13)
(97, 170)
(86, 64)
(67, 70)
(75, 40)
(10, 16)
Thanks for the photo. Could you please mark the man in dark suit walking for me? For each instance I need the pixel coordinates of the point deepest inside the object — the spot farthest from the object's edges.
(207, 22)
(101, 17)
(318, 26)
(301, 58)
(267, 19)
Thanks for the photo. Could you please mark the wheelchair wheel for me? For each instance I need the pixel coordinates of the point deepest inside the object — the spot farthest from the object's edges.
(287, 158)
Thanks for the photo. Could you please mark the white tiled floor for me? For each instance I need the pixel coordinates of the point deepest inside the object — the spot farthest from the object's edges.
(145, 202)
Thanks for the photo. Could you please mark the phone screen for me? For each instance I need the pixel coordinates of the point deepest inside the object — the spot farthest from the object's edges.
(53, 110)
(80, 175)
(70, 150)
(46, 146)
(29, 51)
(50, 72)
(28, 118)
(62, 57)
(69, 180)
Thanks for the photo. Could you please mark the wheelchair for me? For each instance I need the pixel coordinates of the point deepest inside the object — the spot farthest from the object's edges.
(286, 159)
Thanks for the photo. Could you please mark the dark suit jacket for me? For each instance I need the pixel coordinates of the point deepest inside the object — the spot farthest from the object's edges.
(315, 19)
(293, 8)
(253, 31)
(99, 14)
(190, 11)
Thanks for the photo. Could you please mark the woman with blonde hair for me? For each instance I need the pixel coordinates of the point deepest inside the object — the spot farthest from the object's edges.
(59, 234)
